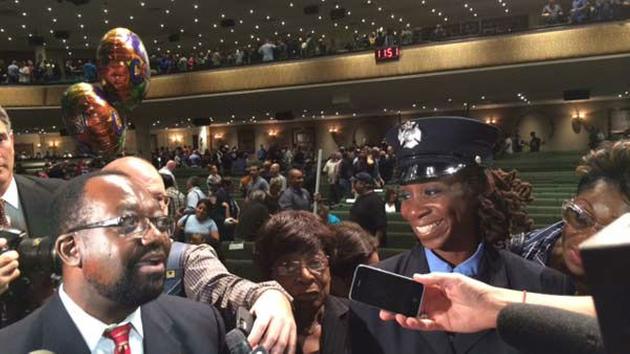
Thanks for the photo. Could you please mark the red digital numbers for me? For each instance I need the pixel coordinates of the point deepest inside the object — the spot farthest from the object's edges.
(387, 54)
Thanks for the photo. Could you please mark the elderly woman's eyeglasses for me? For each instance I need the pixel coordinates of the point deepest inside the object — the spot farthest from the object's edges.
(130, 224)
(578, 217)
(315, 265)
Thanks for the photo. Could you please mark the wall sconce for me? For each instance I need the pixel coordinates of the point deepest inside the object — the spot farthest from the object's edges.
(577, 121)
(491, 120)
(272, 133)
(218, 136)
(176, 138)
(333, 130)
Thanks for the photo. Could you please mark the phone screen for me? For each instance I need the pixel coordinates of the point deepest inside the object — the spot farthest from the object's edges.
(386, 290)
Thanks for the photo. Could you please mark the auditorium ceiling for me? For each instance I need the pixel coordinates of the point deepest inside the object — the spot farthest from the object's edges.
(185, 26)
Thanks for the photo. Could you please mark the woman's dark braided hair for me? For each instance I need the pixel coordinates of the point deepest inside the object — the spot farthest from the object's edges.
(502, 198)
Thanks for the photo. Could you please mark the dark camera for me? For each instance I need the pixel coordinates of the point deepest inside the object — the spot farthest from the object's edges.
(38, 264)
(36, 254)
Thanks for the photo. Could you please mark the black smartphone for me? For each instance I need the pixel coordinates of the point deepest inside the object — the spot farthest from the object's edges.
(386, 290)
(244, 320)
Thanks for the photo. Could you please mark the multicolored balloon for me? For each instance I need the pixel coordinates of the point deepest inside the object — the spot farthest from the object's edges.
(123, 68)
(95, 124)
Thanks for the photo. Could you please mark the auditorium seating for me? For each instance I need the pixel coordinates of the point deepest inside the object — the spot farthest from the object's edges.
(551, 174)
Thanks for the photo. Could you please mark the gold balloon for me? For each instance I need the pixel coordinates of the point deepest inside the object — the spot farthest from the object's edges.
(123, 68)
(92, 121)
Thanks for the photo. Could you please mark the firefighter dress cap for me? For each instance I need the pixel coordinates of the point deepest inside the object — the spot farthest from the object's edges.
(432, 147)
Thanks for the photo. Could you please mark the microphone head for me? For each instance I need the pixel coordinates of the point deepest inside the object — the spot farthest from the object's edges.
(542, 329)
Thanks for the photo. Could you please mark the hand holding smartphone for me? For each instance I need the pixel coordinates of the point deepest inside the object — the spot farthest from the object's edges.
(386, 290)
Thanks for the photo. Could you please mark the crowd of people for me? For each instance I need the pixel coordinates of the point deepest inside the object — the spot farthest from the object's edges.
(120, 253)
(279, 179)
(582, 11)
(299, 46)
(47, 70)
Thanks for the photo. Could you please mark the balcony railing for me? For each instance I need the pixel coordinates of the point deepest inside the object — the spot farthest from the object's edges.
(51, 73)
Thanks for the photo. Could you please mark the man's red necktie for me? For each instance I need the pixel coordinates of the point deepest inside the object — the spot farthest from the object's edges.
(3, 216)
(120, 336)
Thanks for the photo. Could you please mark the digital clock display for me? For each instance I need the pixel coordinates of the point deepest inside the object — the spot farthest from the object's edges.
(387, 54)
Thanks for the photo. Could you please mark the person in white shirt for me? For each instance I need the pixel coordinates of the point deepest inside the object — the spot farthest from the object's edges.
(195, 194)
(25, 74)
(113, 239)
(331, 169)
(276, 175)
(266, 50)
(168, 169)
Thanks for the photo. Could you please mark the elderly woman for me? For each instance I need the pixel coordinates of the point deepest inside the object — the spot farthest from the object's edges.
(603, 195)
(461, 213)
(199, 227)
(354, 246)
(294, 248)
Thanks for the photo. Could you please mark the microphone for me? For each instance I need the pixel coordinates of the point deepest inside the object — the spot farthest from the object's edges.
(237, 343)
(541, 329)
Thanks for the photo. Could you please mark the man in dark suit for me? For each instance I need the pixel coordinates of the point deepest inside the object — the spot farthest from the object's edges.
(461, 212)
(112, 239)
(23, 206)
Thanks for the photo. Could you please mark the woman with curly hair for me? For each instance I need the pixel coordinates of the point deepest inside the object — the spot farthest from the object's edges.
(603, 195)
(461, 213)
